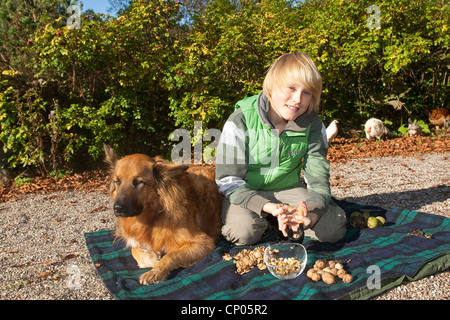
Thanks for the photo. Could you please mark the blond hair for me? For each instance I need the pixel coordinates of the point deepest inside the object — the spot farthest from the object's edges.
(294, 68)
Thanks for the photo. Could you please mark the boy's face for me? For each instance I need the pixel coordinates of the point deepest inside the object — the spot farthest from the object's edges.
(291, 101)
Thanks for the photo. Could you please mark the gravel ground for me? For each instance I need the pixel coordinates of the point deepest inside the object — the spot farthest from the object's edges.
(42, 247)
(420, 183)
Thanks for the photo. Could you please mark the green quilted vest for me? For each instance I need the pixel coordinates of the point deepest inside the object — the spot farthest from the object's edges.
(274, 161)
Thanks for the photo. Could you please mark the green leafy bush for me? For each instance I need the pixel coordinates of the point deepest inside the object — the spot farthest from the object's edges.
(98, 84)
(130, 81)
(364, 69)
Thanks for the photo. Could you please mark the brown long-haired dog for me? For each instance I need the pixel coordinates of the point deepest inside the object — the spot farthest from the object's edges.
(168, 214)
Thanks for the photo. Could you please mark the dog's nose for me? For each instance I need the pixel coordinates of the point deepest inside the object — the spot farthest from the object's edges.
(119, 211)
(126, 208)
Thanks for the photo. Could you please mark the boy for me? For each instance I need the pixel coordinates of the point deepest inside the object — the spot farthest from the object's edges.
(264, 145)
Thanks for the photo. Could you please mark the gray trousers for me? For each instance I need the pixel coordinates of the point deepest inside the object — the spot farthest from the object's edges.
(244, 227)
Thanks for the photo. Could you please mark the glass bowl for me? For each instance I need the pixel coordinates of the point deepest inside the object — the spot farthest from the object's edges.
(285, 260)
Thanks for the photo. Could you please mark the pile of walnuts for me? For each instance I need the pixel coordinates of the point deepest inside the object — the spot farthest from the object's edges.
(292, 263)
(328, 271)
(247, 259)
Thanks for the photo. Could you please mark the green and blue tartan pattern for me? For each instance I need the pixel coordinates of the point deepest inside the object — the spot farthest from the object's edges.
(398, 255)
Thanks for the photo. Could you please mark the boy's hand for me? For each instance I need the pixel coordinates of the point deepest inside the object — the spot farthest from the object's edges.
(288, 216)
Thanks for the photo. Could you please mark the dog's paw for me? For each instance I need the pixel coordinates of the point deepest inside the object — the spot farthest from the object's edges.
(145, 258)
(153, 276)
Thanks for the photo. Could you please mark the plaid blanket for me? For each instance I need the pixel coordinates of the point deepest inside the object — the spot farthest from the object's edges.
(378, 259)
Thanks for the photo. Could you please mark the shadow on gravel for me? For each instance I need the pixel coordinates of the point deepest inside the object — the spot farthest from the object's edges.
(411, 200)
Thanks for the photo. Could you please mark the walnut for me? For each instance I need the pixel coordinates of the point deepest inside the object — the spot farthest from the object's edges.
(320, 264)
(341, 273)
(316, 277)
(313, 275)
(333, 271)
(328, 278)
(347, 278)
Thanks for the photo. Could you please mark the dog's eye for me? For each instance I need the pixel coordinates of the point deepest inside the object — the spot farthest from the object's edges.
(137, 182)
(117, 182)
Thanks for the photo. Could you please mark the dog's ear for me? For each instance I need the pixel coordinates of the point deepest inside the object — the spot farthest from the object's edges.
(110, 155)
(165, 171)
(167, 184)
(158, 159)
